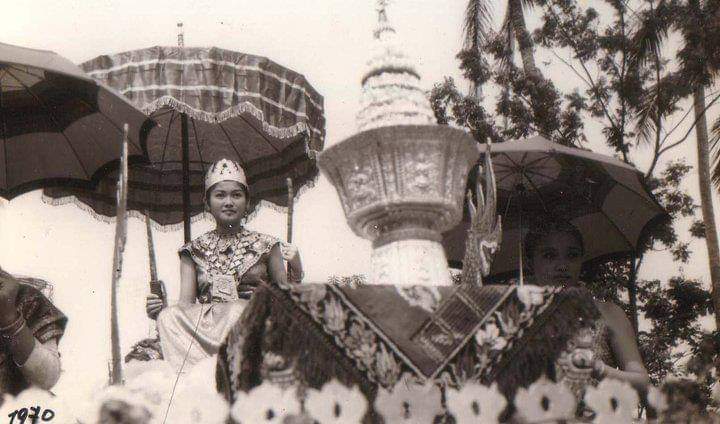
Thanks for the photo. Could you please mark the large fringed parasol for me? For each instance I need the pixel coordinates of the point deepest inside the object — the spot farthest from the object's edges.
(208, 103)
(604, 198)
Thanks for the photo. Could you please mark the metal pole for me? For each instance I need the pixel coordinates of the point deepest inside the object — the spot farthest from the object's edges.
(186, 175)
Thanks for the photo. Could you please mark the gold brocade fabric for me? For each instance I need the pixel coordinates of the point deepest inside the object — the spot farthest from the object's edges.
(228, 269)
(236, 255)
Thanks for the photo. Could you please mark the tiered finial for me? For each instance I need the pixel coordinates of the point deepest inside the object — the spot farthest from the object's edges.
(391, 84)
(382, 10)
(382, 24)
(181, 35)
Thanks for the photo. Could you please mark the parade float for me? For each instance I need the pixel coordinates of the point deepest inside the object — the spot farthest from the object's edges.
(408, 346)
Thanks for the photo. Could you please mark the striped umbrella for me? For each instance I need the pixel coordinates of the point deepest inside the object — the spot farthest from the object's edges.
(208, 104)
(57, 125)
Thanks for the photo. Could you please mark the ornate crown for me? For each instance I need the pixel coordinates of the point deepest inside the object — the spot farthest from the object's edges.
(225, 170)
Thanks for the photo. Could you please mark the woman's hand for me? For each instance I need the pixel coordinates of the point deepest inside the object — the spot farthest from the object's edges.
(291, 254)
(9, 287)
(153, 305)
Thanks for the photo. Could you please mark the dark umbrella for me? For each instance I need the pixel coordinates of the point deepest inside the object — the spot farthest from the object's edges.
(57, 125)
(209, 104)
(604, 198)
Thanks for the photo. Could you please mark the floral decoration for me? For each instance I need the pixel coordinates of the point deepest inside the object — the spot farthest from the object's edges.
(613, 401)
(476, 403)
(409, 403)
(336, 403)
(545, 401)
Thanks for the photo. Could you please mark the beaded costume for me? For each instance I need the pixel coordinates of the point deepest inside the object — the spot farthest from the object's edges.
(228, 268)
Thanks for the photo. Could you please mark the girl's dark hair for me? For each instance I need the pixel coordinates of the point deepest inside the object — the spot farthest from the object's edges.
(545, 226)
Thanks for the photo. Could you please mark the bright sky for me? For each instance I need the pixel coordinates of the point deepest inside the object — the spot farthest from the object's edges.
(326, 40)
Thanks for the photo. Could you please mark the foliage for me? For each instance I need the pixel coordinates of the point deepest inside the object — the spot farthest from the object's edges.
(625, 85)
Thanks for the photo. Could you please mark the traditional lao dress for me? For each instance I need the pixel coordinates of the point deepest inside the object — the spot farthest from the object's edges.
(228, 268)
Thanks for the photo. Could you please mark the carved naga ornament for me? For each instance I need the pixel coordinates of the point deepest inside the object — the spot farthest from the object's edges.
(485, 232)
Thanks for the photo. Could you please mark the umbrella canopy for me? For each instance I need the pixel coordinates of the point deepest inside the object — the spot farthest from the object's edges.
(57, 125)
(604, 198)
(237, 106)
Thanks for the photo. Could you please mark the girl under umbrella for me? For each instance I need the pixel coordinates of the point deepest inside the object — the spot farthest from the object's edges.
(219, 270)
(603, 344)
(554, 250)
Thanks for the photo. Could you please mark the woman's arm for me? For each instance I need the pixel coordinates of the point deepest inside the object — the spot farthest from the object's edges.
(42, 367)
(188, 281)
(291, 254)
(625, 349)
(275, 266)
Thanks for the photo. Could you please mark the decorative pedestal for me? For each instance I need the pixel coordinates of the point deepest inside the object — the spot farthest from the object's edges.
(401, 187)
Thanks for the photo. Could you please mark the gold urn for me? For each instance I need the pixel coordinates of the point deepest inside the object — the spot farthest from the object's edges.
(401, 187)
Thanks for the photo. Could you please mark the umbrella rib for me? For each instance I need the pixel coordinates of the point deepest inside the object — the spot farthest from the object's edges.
(654, 205)
(167, 137)
(231, 142)
(537, 191)
(262, 133)
(111, 123)
(55, 121)
(3, 128)
(617, 229)
(89, 106)
(197, 143)
(545, 157)
(26, 71)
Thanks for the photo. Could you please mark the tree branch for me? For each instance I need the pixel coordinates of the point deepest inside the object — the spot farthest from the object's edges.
(571, 42)
(690, 130)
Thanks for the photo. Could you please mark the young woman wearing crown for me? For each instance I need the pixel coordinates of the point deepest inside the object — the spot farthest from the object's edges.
(219, 270)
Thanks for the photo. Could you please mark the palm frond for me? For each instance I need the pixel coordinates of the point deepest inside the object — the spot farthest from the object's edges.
(477, 25)
(646, 117)
(507, 35)
(651, 32)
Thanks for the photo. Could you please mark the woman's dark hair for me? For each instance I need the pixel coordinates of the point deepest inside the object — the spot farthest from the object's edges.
(545, 226)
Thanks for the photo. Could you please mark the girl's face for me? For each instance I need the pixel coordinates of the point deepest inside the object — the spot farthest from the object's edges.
(557, 260)
(227, 202)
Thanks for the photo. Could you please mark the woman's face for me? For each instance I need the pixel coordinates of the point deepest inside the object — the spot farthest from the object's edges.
(227, 202)
(557, 260)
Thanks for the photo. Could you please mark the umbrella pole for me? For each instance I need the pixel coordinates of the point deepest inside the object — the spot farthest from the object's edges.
(120, 236)
(156, 286)
(186, 175)
(290, 209)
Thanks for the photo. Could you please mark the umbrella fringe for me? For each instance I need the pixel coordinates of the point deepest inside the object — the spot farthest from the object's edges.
(66, 200)
(244, 107)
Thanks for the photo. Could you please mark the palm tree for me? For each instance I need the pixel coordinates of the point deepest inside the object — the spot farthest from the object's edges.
(514, 27)
(477, 26)
(698, 22)
(477, 30)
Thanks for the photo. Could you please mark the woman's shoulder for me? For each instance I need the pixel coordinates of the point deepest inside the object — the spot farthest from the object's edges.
(612, 313)
(260, 242)
(199, 242)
